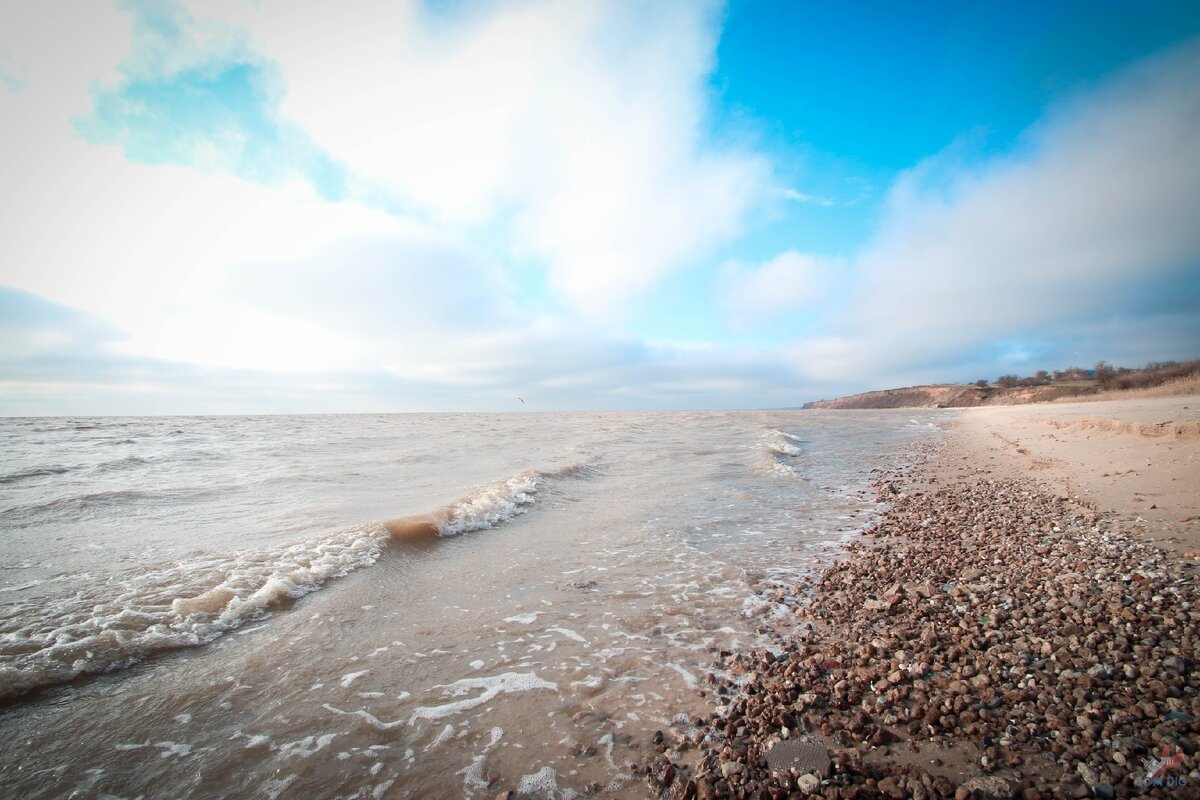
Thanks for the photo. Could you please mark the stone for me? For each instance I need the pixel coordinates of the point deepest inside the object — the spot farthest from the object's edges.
(729, 768)
(1089, 775)
(808, 783)
(987, 787)
(1176, 663)
(890, 786)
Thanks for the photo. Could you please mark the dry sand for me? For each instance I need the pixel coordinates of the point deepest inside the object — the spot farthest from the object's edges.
(1137, 459)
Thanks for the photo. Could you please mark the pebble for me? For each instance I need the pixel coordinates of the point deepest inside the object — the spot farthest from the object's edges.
(808, 783)
(1052, 638)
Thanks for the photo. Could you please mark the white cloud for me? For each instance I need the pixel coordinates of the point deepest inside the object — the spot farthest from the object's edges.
(155, 249)
(789, 282)
(571, 134)
(149, 248)
(805, 197)
(1094, 219)
(581, 125)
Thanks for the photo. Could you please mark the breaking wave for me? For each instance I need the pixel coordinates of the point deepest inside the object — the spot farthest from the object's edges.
(781, 450)
(52, 639)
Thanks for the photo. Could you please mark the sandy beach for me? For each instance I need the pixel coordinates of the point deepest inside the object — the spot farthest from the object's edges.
(1022, 622)
(1136, 459)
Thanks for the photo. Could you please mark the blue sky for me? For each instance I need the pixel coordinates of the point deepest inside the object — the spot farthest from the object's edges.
(239, 207)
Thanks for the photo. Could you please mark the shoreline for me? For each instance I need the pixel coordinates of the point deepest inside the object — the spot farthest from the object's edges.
(1004, 630)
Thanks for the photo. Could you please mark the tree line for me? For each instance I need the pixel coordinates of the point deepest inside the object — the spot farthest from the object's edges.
(1104, 375)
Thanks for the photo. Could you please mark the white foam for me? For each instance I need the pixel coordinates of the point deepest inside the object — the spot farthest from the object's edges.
(307, 746)
(111, 625)
(570, 634)
(525, 619)
(371, 719)
(351, 677)
(544, 782)
(477, 664)
(590, 682)
(441, 738)
(785, 449)
(473, 773)
(688, 677)
(276, 786)
(490, 506)
(173, 749)
(492, 686)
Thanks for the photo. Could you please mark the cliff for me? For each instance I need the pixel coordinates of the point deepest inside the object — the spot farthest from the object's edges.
(951, 396)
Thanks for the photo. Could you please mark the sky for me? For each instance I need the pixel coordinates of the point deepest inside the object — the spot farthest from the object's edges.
(283, 206)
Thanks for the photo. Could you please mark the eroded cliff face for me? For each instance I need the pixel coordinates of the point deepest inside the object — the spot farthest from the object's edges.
(911, 397)
(948, 396)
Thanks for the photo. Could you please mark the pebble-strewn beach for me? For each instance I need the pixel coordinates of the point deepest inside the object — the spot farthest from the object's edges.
(989, 637)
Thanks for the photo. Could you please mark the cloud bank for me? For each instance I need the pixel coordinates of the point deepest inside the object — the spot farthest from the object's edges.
(1089, 227)
(238, 206)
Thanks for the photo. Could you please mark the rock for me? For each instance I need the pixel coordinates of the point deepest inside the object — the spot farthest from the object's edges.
(808, 783)
(1053, 630)
(1089, 775)
(1176, 663)
(890, 786)
(987, 787)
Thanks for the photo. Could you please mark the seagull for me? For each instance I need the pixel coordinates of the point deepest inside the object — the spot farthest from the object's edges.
(522, 400)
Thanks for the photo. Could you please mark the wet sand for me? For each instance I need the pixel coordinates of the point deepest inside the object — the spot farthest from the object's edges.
(1022, 622)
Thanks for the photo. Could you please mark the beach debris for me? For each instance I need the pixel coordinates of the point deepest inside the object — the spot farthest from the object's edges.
(809, 756)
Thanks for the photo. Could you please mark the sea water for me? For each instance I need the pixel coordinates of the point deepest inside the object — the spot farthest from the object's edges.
(210, 607)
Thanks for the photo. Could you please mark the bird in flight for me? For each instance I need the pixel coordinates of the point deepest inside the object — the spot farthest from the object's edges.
(522, 400)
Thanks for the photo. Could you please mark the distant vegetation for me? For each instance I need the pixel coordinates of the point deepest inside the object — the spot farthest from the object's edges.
(1101, 382)
(1104, 376)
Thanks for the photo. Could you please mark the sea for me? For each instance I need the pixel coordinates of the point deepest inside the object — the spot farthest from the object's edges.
(399, 605)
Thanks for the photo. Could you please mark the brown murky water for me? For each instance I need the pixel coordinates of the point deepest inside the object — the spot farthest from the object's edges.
(223, 613)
